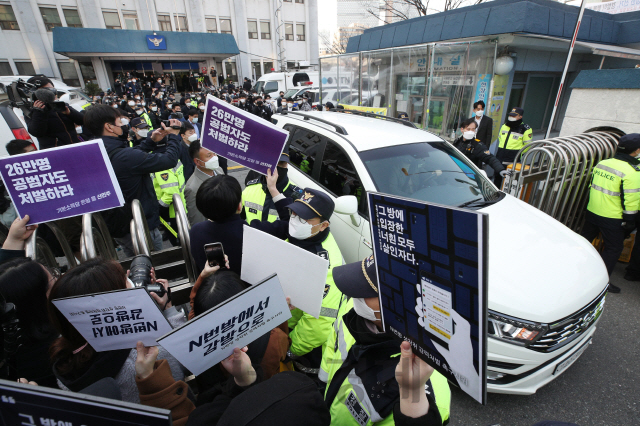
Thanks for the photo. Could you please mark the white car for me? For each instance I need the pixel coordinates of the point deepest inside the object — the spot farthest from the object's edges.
(547, 284)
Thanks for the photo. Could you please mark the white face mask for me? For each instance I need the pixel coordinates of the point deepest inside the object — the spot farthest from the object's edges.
(192, 138)
(512, 118)
(132, 103)
(479, 113)
(79, 129)
(139, 112)
(124, 121)
(212, 163)
(143, 103)
(115, 106)
(154, 108)
(363, 310)
(469, 134)
(299, 228)
(143, 133)
(202, 108)
(195, 120)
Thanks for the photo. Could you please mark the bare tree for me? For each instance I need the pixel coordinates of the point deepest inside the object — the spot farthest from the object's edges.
(399, 10)
(335, 45)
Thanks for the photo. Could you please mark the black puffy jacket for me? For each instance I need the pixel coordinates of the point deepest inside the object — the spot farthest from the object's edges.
(54, 128)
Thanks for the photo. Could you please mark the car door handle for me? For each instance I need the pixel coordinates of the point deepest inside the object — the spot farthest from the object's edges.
(367, 243)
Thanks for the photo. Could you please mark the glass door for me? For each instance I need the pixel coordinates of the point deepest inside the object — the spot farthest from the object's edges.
(410, 97)
(438, 108)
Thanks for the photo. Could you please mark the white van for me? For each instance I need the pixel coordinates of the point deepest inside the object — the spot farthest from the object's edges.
(275, 82)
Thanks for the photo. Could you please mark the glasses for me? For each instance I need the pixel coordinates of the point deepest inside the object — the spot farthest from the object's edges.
(55, 273)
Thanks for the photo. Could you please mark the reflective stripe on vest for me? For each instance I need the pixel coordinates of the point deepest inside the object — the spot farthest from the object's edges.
(254, 197)
(615, 189)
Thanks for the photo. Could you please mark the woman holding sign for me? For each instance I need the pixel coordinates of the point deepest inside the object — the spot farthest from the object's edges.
(75, 363)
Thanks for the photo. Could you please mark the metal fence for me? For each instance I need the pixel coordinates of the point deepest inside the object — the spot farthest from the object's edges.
(554, 175)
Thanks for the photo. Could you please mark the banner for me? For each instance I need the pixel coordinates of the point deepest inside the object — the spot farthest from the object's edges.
(211, 337)
(379, 111)
(288, 261)
(482, 89)
(495, 106)
(116, 319)
(41, 406)
(61, 182)
(242, 137)
(431, 263)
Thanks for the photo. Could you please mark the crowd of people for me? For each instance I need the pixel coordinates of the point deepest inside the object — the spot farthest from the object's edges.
(340, 368)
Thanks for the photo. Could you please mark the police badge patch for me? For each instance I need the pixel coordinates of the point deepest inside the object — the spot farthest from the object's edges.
(165, 176)
(327, 287)
(325, 255)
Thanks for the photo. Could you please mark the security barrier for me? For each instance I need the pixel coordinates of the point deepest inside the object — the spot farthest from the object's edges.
(96, 242)
(553, 175)
(37, 249)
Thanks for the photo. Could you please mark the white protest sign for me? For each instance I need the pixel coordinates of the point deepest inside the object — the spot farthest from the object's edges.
(303, 275)
(116, 319)
(211, 337)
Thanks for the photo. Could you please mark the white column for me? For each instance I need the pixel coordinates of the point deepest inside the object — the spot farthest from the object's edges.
(101, 73)
(243, 62)
(312, 32)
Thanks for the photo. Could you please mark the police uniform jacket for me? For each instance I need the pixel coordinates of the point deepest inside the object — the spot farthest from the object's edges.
(511, 140)
(478, 153)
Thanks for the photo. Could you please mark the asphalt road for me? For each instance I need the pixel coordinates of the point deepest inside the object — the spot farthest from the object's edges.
(601, 388)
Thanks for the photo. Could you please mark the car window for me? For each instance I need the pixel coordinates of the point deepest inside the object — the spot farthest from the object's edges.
(428, 171)
(304, 147)
(290, 93)
(338, 175)
(79, 94)
(271, 86)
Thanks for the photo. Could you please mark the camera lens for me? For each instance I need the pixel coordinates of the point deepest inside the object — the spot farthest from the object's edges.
(140, 270)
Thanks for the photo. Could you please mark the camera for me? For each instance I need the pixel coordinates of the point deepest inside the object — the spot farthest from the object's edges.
(140, 275)
(167, 123)
(20, 94)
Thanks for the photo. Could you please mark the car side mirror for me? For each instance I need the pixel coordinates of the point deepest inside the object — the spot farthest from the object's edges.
(348, 204)
(484, 173)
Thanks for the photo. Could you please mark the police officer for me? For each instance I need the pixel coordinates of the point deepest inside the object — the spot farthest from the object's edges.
(256, 199)
(166, 183)
(141, 113)
(140, 130)
(614, 200)
(309, 230)
(514, 134)
(154, 115)
(359, 360)
(475, 150)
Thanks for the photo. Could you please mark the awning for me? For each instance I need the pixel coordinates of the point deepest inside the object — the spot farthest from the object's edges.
(609, 50)
(141, 45)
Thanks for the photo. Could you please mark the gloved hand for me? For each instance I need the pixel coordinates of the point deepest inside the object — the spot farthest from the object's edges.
(506, 173)
(628, 224)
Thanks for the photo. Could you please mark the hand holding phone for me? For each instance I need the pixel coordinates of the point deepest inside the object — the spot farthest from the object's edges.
(215, 254)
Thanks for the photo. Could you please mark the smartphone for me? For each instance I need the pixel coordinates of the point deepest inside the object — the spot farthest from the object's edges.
(167, 123)
(215, 254)
(436, 307)
(58, 106)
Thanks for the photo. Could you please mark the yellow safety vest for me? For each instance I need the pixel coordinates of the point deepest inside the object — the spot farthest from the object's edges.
(253, 200)
(615, 189)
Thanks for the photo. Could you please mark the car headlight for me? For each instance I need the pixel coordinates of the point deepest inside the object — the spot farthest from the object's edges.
(514, 330)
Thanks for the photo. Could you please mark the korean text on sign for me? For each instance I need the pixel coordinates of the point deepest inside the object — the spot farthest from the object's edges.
(33, 185)
(391, 236)
(227, 128)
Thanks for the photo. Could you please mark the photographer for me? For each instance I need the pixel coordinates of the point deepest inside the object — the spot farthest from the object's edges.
(52, 127)
(132, 167)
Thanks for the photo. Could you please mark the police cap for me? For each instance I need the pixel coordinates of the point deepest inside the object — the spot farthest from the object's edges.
(285, 154)
(629, 143)
(357, 279)
(516, 111)
(313, 203)
(403, 116)
(139, 123)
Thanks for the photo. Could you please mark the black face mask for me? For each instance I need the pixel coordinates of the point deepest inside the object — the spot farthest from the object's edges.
(513, 124)
(125, 132)
(282, 173)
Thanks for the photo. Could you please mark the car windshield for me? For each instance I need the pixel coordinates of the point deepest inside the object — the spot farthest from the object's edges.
(258, 86)
(81, 94)
(428, 171)
(291, 93)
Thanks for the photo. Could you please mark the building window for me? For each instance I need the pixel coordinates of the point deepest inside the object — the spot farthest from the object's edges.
(288, 32)
(265, 30)
(225, 26)
(25, 68)
(5, 68)
(51, 17)
(300, 31)
(164, 22)
(288, 1)
(253, 29)
(181, 23)
(300, 1)
(212, 25)
(130, 20)
(111, 20)
(72, 17)
(69, 73)
(8, 18)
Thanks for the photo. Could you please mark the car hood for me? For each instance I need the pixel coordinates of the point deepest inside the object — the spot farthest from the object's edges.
(539, 270)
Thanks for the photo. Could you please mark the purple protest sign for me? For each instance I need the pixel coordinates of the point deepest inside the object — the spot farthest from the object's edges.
(61, 182)
(245, 138)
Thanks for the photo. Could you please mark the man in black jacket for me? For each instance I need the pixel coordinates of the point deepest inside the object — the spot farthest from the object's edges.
(247, 84)
(484, 124)
(50, 127)
(475, 150)
(132, 167)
